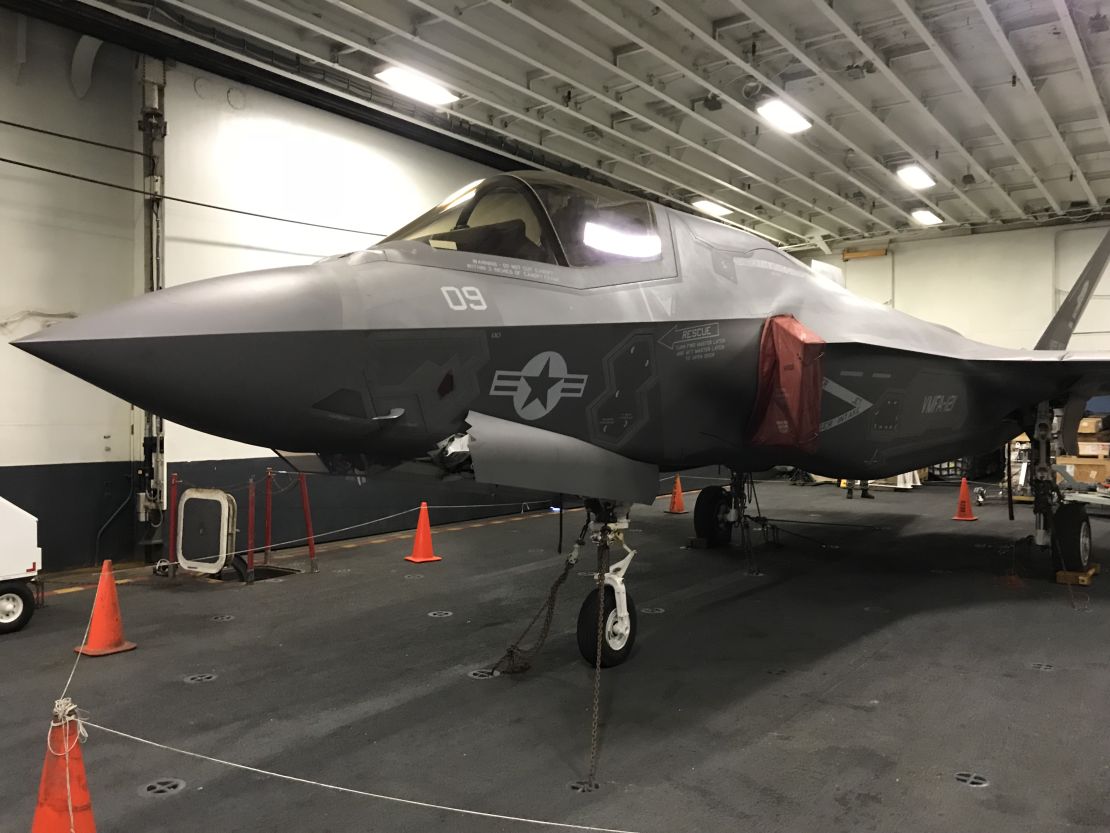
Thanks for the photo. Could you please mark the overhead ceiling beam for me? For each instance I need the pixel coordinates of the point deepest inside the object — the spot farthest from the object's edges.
(948, 63)
(293, 78)
(880, 62)
(548, 122)
(1018, 69)
(397, 27)
(1083, 63)
(324, 59)
(703, 32)
(666, 53)
(542, 19)
(877, 123)
(446, 12)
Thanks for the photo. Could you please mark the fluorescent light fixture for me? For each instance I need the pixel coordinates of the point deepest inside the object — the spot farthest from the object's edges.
(782, 116)
(915, 177)
(711, 208)
(926, 217)
(413, 84)
(616, 242)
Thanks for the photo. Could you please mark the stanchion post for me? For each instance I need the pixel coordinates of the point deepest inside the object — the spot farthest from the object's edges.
(250, 530)
(269, 513)
(173, 526)
(308, 525)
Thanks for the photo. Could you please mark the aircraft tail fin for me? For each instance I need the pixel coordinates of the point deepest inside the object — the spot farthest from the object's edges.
(1062, 325)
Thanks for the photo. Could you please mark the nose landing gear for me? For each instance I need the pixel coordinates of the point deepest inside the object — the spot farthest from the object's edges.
(615, 623)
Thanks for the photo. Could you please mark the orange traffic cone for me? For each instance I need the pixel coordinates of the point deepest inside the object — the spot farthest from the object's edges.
(678, 505)
(64, 801)
(106, 629)
(963, 508)
(422, 543)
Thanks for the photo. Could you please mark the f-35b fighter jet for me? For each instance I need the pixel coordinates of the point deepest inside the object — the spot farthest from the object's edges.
(539, 331)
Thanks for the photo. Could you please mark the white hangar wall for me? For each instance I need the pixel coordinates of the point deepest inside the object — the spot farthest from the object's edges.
(1001, 288)
(234, 145)
(68, 246)
(73, 248)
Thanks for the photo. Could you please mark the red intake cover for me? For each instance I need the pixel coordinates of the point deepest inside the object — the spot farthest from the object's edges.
(788, 403)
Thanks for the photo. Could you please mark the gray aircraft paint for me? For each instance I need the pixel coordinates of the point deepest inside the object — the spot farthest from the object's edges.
(372, 358)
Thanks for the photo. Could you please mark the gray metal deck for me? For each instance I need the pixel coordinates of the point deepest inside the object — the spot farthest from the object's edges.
(843, 689)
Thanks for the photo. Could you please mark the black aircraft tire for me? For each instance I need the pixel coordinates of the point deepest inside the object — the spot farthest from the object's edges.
(1071, 538)
(711, 505)
(611, 653)
(17, 606)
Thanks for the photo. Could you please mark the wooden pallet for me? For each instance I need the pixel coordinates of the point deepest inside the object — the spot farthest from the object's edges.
(1084, 579)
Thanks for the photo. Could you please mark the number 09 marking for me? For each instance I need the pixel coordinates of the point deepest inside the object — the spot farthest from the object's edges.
(467, 297)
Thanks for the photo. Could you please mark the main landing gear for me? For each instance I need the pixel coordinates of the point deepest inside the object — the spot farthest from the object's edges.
(715, 516)
(1061, 526)
(719, 510)
(615, 623)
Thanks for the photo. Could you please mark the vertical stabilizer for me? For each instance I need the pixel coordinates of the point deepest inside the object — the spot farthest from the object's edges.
(1062, 325)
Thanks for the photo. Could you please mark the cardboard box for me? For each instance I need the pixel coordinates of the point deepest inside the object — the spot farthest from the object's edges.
(1086, 469)
(1093, 424)
(1088, 449)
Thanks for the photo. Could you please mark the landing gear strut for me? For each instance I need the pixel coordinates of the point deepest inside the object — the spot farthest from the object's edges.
(1064, 527)
(719, 510)
(605, 528)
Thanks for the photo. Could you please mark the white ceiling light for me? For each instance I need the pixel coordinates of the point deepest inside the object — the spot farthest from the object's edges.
(915, 177)
(925, 217)
(711, 208)
(413, 84)
(782, 116)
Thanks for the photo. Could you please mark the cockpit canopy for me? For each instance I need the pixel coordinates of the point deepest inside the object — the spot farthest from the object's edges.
(541, 217)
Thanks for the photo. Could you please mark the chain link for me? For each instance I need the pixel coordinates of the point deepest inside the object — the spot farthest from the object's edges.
(595, 718)
(517, 659)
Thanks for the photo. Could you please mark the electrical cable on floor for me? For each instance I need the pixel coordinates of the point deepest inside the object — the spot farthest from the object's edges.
(445, 808)
(184, 201)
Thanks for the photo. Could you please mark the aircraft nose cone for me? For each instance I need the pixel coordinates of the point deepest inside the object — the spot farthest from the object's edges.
(199, 353)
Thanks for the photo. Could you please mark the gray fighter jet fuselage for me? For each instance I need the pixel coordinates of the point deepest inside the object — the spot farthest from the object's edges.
(538, 331)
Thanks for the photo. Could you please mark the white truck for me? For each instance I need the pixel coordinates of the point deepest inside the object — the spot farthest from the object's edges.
(20, 562)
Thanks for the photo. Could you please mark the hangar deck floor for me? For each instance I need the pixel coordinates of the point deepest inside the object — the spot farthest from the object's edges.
(843, 689)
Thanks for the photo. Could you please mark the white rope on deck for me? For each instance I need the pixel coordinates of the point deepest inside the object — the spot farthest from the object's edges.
(351, 791)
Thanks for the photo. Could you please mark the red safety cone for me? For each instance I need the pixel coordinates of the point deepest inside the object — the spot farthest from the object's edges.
(678, 505)
(106, 629)
(422, 543)
(64, 802)
(963, 508)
